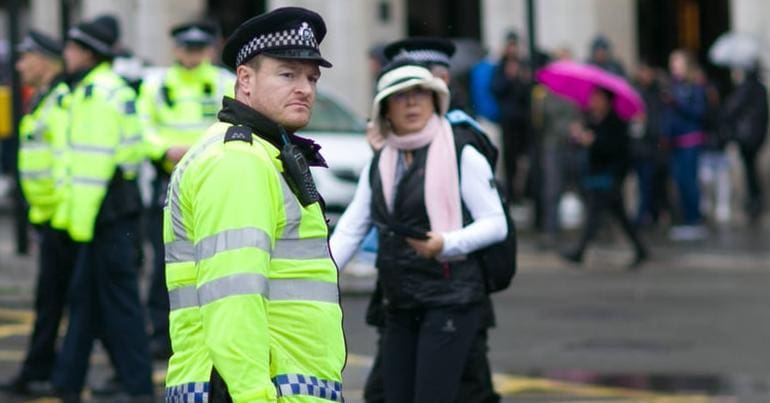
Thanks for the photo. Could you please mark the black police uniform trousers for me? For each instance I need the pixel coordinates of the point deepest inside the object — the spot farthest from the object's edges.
(104, 304)
(424, 352)
(157, 299)
(56, 260)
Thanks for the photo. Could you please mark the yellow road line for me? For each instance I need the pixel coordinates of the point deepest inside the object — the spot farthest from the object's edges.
(16, 315)
(509, 385)
(15, 330)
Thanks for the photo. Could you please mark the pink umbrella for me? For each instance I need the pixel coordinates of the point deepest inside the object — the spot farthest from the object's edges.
(576, 81)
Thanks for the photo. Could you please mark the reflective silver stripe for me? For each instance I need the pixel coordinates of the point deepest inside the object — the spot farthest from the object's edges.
(174, 190)
(179, 251)
(34, 145)
(309, 248)
(186, 126)
(183, 297)
(254, 284)
(134, 139)
(303, 290)
(236, 284)
(81, 180)
(230, 240)
(91, 149)
(36, 174)
(293, 212)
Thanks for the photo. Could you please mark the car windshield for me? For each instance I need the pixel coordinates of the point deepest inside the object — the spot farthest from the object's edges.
(330, 116)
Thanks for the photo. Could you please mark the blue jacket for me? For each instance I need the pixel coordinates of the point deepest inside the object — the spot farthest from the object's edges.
(687, 111)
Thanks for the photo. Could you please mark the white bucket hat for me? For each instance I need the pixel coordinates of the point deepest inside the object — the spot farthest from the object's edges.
(403, 77)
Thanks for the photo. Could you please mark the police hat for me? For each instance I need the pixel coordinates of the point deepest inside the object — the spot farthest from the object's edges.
(284, 33)
(38, 42)
(427, 50)
(98, 35)
(194, 34)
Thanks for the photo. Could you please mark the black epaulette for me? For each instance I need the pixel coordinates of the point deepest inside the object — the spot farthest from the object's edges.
(239, 133)
(89, 90)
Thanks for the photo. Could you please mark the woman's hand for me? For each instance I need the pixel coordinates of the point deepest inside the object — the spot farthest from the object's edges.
(428, 248)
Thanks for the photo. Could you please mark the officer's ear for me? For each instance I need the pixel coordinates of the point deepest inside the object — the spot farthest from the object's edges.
(246, 74)
(244, 78)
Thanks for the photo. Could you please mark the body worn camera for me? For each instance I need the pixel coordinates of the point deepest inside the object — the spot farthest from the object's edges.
(298, 174)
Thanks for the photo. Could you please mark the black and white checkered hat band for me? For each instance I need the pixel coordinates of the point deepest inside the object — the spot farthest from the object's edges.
(78, 34)
(423, 56)
(290, 38)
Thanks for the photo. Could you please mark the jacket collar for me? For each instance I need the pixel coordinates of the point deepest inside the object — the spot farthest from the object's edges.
(238, 113)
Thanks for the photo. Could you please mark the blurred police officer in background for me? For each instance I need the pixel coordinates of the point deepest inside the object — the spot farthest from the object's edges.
(176, 106)
(255, 312)
(105, 147)
(42, 172)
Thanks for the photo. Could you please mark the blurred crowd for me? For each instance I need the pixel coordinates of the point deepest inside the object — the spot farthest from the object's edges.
(678, 147)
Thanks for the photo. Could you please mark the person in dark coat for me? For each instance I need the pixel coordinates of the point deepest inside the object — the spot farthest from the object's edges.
(605, 136)
(745, 115)
(414, 191)
(649, 159)
(602, 57)
(512, 90)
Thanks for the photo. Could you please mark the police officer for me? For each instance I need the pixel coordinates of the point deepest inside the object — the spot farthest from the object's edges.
(436, 53)
(105, 145)
(255, 312)
(176, 105)
(41, 147)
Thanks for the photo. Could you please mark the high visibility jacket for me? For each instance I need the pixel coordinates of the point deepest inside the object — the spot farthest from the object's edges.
(42, 140)
(253, 289)
(104, 144)
(177, 105)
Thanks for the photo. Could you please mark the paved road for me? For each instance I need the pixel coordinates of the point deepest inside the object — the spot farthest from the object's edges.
(692, 326)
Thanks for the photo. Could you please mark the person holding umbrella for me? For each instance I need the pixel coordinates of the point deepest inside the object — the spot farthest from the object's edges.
(605, 135)
(609, 102)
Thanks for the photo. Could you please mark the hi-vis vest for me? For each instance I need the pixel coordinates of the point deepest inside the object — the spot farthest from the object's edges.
(177, 105)
(252, 287)
(42, 141)
(104, 138)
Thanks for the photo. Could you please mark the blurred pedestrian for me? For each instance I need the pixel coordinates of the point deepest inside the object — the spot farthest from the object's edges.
(714, 164)
(649, 158)
(602, 56)
(552, 116)
(255, 311)
(176, 104)
(684, 109)
(605, 135)
(42, 143)
(105, 144)
(745, 115)
(512, 89)
(414, 191)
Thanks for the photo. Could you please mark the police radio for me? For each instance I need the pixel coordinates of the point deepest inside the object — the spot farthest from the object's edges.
(298, 172)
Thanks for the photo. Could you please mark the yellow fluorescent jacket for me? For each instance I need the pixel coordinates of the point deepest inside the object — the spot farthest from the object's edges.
(252, 286)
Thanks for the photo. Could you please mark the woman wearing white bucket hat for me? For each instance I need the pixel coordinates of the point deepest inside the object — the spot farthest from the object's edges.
(434, 202)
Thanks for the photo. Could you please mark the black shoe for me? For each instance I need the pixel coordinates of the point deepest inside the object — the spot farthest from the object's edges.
(641, 257)
(575, 256)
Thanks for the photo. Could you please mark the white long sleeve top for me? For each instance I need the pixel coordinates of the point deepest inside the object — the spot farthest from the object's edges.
(478, 193)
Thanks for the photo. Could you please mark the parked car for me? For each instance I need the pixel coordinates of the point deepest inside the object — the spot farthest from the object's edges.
(342, 137)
